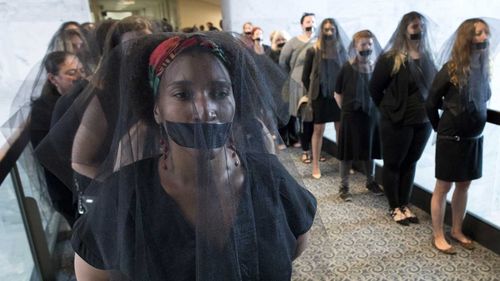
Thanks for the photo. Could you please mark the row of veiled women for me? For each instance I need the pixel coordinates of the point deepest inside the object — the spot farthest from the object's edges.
(385, 104)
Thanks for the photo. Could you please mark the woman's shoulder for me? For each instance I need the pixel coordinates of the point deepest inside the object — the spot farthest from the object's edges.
(444, 72)
(254, 158)
(294, 40)
(311, 50)
(142, 166)
(347, 66)
(264, 164)
(386, 58)
(144, 169)
(446, 66)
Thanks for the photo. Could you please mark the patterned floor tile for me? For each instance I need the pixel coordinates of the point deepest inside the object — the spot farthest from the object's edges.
(358, 240)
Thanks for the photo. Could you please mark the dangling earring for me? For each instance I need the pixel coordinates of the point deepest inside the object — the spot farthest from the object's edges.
(163, 148)
(234, 155)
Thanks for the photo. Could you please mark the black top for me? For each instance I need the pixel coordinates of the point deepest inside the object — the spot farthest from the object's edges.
(353, 86)
(328, 70)
(41, 114)
(275, 56)
(458, 119)
(308, 65)
(66, 101)
(267, 50)
(399, 97)
(273, 218)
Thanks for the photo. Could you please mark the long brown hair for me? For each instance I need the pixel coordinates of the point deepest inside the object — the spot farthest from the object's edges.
(459, 66)
(319, 42)
(338, 42)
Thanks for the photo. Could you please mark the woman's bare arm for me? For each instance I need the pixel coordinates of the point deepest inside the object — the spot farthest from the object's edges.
(86, 272)
(302, 242)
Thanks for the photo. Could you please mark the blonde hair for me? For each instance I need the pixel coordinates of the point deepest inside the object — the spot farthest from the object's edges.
(399, 47)
(399, 59)
(277, 34)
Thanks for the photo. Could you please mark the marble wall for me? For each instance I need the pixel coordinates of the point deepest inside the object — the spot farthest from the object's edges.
(380, 16)
(26, 27)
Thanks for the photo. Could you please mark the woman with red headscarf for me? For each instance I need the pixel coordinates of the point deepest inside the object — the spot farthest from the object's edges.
(189, 190)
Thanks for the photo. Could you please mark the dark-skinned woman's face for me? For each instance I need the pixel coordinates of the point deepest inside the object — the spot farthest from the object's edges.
(195, 87)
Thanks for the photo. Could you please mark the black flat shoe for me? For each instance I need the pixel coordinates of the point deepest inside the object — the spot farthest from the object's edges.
(374, 188)
(344, 194)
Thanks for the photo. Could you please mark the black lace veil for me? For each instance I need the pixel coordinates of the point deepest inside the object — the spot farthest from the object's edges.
(474, 85)
(233, 212)
(363, 64)
(423, 69)
(36, 80)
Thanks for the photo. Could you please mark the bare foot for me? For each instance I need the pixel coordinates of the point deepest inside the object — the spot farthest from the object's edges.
(316, 173)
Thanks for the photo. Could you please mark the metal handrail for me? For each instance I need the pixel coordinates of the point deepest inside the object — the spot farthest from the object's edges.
(12, 149)
(493, 117)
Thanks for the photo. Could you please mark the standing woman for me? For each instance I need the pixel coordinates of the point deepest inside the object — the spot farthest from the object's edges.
(321, 67)
(258, 38)
(246, 35)
(88, 144)
(461, 89)
(203, 200)
(63, 70)
(73, 41)
(358, 139)
(278, 40)
(292, 60)
(399, 88)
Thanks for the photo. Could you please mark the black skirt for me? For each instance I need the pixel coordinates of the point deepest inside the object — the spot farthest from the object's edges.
(359, 137)
(458, 161)
(325, 110)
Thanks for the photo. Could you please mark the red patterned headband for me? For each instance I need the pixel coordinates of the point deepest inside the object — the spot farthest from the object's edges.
(163, 55)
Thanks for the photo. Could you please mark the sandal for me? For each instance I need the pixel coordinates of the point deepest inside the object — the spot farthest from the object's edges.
(306, 159)
(399, 217)
(322, 158)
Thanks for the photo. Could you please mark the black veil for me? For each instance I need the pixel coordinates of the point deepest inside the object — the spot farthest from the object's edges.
(36, 80)
(423, 69)
(474, 86)
(363, 71)
(240, 222)
(32, 108)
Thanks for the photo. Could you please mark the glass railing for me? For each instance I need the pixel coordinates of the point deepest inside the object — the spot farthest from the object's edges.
(16, 260)
(28, 223)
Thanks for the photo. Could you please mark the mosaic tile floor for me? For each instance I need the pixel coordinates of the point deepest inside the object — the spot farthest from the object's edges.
(358, 240)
